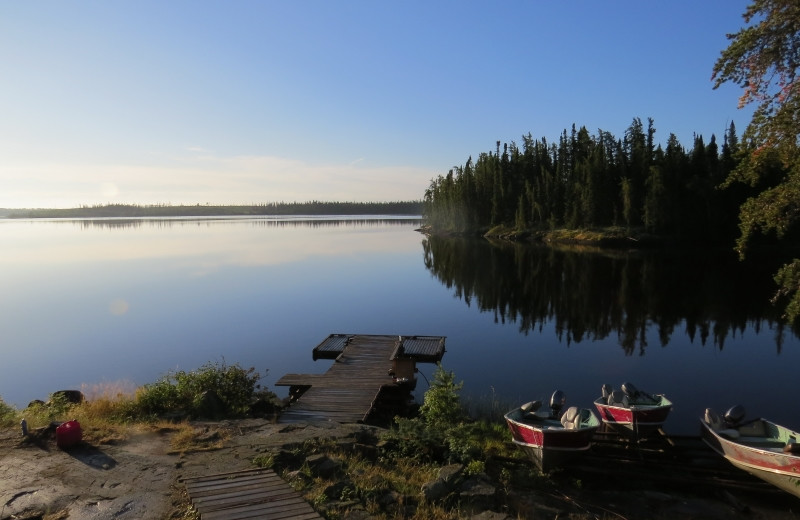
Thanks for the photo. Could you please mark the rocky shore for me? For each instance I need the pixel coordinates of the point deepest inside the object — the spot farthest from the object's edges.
(141, 478)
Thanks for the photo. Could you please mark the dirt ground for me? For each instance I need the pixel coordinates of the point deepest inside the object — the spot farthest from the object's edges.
(136, 479)
(140, 479)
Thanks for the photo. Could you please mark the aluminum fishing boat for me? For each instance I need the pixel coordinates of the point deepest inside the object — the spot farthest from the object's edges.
(767, 450)
(641, 412)
(552, 437)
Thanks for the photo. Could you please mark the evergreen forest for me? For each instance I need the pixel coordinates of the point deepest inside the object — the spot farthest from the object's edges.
(313, 207)
(586, 181)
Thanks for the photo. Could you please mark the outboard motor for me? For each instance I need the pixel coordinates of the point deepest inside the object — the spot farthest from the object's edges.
(557, 402)
(734, 415)
(630, 390)
(607, 389)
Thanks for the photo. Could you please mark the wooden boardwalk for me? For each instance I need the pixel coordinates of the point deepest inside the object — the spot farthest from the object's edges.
(256, 493)
(362, 374)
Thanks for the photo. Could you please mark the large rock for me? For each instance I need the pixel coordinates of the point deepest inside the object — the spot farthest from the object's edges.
(323, 466)
(337, 490)
(287, 458)
(451, 473)
(477, 493)
(447, 480)
(434, 490)
(70, 396)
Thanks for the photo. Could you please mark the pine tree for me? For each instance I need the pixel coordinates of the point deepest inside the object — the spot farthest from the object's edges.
(763, 59)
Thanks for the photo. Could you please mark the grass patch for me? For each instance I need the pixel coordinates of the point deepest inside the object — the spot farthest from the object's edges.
(187, 439)
(110, 410)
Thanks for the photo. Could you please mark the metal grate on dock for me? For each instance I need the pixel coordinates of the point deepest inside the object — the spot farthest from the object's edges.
(420, 348)
(256, 493)
(331, 346)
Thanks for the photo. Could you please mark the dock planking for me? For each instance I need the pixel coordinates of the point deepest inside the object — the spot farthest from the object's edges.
(366, 369)
(257, 493)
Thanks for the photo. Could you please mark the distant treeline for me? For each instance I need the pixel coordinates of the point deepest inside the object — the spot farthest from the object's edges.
(595, 181)
(274, 208)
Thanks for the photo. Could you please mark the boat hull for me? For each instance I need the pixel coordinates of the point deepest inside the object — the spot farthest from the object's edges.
(640, 418)
(770, 464)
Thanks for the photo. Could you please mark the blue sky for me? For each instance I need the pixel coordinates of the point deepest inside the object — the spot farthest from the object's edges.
(243, 102)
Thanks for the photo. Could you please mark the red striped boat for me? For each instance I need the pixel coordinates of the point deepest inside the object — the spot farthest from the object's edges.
(633, 409)
(549, 437)
(767, 450)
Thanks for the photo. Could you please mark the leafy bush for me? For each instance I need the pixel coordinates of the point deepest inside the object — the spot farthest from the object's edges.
(8, 414)
(412, 439)
(441, 407)
(463, 442)
(192, 392)
(442, 430)
(42, 414)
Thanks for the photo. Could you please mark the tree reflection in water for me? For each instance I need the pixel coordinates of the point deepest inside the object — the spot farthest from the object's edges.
(591, 293)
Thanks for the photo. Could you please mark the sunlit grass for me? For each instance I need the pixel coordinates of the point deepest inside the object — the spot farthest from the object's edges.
(186, 439)
(369, 481)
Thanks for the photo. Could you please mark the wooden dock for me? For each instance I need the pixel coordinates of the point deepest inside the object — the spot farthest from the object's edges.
(369, 372)
(256, 493)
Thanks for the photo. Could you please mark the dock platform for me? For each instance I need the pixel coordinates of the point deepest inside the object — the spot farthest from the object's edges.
(369, 374)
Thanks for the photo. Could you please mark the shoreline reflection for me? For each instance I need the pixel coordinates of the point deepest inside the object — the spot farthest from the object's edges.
(591, 294)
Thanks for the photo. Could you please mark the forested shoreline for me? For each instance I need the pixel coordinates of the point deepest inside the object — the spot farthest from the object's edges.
(274, 208)
(586, 181)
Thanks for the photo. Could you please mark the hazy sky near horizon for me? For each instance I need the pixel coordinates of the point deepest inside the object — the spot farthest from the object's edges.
(241, 102)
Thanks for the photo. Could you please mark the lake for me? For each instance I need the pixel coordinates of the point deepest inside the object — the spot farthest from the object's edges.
(120, 302)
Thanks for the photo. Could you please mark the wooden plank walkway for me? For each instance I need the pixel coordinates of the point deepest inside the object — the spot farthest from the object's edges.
(350, 389)
(255, 493)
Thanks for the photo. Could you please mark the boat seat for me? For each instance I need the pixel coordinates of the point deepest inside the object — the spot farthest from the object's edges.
(618, 398)
(571, 420)
(753, 429)
(531, 406)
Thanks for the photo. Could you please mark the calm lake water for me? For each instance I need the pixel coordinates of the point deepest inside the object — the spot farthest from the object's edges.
(121, 302)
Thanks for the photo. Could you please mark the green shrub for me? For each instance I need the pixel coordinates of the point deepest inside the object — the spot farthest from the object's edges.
(463, 443)
(57, 408)
(441, 407)
(412, 439)
(265, 461)
(188, 392)
(475, 467)
(442, 431)
(8, 414)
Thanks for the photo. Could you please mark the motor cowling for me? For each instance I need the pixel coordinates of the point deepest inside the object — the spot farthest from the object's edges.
(557, 402)
(735, 414)
(630, 390)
